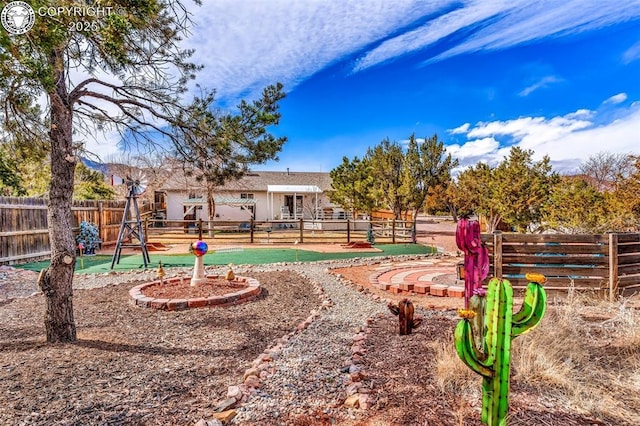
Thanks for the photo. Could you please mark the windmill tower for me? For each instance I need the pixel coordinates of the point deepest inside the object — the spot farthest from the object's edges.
(131, 226)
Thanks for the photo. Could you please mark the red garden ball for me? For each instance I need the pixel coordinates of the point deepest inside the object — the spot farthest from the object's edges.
(199, 248)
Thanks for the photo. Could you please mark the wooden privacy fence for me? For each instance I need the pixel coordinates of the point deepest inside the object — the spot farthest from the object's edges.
(609, 262)
(24, 234)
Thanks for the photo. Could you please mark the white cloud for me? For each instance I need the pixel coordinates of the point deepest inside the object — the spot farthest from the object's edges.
(471, 13)
(460, 129)
(525, 22)
(581, 113)
(616, 99)
(540, 84)
(246, 45)
(249, 44)
(473, 149)
(632, 53)
(567, 139)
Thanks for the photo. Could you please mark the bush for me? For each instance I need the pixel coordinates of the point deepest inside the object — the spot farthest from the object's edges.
(88, 237)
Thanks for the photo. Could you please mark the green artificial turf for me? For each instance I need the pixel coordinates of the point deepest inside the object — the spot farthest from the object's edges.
(102, 263)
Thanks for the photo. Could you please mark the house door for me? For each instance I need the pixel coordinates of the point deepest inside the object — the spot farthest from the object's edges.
(294, 211)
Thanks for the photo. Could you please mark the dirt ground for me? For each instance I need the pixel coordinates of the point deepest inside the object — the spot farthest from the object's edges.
(146, 367)
(138, 366)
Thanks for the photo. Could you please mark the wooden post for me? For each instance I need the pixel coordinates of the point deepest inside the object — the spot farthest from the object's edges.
(497, 254)
(102, 234)
(348, 231)
(301, 230)
(146, 229)
(200, 229)
(613, 266)
(393, 231)
(251, 225)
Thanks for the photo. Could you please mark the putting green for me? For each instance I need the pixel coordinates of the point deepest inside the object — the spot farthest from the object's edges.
(257, 256)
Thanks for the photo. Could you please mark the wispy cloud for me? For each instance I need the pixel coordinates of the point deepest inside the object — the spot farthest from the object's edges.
(567, 139)
(524, 22)
(540, 84)
(474, 149)
(616, 99)
(632, 53)
(433, 31)
(460, 129)
(292, 40)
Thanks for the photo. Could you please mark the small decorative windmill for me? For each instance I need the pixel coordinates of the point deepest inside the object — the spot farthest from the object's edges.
(131, 226)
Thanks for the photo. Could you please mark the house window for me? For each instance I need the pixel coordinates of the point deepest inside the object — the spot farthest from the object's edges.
(246, 196)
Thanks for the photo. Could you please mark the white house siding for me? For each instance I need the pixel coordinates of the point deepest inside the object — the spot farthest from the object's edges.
(178, 187)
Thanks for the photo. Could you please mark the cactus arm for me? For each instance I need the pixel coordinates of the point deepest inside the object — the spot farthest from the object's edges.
(466, 351)
(530, 300)
(535, 303)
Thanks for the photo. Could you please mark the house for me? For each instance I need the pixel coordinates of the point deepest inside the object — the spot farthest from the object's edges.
(261, 195)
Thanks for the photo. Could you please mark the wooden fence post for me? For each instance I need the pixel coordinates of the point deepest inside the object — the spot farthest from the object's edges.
(613, 266)
(102, 233)
(497, 254)
(251, 225)
(348, 231)
(301, 230)
(393, 231)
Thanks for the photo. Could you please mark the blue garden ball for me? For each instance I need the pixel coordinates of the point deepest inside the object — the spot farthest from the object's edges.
(199, 248)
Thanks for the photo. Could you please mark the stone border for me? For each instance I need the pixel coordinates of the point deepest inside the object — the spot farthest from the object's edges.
(440, 290)
(250, 292)
(360, 392)
(262, 367)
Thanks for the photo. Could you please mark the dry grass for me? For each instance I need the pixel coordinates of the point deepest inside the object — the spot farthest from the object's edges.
(584, 356)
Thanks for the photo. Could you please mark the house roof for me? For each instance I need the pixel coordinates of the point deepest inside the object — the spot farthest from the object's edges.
(252, 181)
(303, 189)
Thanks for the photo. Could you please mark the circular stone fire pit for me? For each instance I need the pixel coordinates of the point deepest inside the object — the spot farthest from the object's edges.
(177, 294)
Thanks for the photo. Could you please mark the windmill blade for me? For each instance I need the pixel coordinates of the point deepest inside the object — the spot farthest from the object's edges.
(137, 183)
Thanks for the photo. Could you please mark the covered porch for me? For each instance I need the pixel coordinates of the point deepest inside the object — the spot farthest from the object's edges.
(292, 203)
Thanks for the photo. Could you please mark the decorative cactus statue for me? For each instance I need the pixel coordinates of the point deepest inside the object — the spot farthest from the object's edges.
(501, 325)
(160, 274)
(476, 256)
(404, 310)
(230, 276)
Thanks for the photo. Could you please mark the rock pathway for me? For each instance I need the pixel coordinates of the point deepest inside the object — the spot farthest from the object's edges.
(311, 373)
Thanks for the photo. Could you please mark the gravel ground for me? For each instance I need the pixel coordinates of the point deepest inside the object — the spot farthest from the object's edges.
(310, 380)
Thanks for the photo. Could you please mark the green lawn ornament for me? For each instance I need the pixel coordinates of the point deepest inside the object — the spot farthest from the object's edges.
(499, 326)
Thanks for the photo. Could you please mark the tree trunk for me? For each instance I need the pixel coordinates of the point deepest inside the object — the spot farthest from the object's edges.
(454, 212)
(56, 281)
(414, 227)
(211, 207)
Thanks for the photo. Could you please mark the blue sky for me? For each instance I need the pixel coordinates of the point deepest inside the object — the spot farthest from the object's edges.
(559, 77)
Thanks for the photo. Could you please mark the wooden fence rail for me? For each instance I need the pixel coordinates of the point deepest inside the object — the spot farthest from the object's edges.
(608, 262)
(281, 231)
(24, 234)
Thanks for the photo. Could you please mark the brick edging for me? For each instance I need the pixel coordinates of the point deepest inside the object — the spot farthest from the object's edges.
(250, 292)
